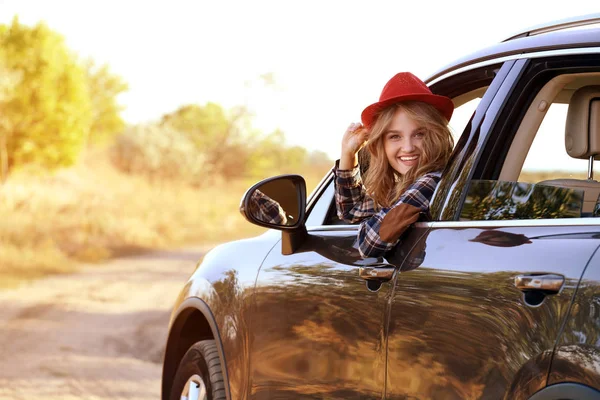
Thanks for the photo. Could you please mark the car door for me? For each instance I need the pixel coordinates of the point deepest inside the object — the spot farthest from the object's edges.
(479, 302)
(317, 330)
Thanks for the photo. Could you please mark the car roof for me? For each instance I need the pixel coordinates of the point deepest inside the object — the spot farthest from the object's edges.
(553, 36)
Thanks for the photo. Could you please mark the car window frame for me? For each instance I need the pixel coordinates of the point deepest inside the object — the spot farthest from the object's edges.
(454, 84)
(533, 72)
(320, 203)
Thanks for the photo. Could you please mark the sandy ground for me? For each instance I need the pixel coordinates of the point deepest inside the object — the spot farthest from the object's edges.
(96, 334)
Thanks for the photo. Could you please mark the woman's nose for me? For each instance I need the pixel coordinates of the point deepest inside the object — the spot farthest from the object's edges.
(408, 145)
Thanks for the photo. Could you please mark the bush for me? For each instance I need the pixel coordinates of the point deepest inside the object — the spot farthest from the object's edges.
(159, 152)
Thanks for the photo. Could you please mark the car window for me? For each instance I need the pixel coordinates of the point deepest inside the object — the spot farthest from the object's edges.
(465, 94)
(462, 115)
(320, 211)
(547, 172)
(547, 158)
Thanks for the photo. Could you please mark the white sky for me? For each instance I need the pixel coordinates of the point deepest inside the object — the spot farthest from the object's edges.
(330, 59)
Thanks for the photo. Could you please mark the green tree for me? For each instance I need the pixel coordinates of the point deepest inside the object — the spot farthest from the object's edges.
(267, 155)
(47, 116)
(8, 80)
(158, 152)
(103, 88)
(216, 134)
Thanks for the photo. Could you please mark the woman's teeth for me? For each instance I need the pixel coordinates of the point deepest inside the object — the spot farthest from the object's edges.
(408, 158)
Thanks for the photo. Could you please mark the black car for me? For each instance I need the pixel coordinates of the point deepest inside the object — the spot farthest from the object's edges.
(497, 296)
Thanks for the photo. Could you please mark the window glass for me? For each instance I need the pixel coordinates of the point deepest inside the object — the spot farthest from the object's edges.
(321, 207)
(499, 200)
(547, 158)
(539, 179)
(460, 118)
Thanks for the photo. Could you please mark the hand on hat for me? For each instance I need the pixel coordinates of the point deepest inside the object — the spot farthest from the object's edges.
(354, 139)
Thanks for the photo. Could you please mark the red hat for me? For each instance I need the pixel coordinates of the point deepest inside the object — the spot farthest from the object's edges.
(405, 86)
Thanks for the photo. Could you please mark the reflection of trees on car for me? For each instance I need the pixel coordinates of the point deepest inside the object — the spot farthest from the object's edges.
(494, 200)
(435, 321)
(337, 327)
(234, 325)
(577, 353)
(454, 200)
(580, 361)
(329, 327)
(501, 238)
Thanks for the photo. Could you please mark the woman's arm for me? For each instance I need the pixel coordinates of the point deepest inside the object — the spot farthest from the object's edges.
(380, 233)
(351, 201)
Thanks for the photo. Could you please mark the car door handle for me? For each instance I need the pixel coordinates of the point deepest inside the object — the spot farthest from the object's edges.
(549, 283)
(377, 272)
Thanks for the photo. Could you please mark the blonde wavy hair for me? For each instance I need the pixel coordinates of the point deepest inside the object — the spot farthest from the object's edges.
(383, 183)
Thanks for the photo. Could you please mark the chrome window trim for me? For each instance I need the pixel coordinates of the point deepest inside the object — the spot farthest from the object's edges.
(589, 221)
(316, 196)
(549, 53)
(318, 190)
(327, 228)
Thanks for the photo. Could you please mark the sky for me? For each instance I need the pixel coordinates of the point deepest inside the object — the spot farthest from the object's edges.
(325, 60)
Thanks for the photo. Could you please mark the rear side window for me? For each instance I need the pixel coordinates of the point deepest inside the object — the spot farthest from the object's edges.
(541, 176)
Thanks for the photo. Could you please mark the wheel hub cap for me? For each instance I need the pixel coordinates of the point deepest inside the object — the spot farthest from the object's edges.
(194, 389)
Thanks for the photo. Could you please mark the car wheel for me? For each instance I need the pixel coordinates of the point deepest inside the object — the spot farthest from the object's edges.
(199, 376)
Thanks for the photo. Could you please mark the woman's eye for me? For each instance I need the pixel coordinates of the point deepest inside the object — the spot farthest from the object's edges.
(394, 137)
(419, 135)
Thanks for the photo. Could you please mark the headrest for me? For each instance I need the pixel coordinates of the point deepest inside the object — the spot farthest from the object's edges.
(582, 132)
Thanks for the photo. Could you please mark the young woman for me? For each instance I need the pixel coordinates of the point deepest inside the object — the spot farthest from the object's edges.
(407, 136)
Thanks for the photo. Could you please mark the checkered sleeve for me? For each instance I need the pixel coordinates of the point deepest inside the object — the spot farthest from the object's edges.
(266, 209)
(381, 232)
(351, 200)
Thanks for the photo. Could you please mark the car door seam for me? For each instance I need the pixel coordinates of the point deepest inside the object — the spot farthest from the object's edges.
(566, 318)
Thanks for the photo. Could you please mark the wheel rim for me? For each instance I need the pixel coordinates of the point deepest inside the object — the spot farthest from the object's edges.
(194, 389)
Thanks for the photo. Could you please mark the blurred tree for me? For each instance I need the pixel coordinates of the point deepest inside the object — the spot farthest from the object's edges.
(103, 88)
(320, 158)
(229, 147)
(158, 152)
(216, 134)
(47, 116)
(266, 156)
(8, 80)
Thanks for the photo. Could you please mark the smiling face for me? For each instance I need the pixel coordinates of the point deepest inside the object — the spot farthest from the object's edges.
(403, 142)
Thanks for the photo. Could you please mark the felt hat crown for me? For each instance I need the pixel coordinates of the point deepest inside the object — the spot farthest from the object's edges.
(405, 86)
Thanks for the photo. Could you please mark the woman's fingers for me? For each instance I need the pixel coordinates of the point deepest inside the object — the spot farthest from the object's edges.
(354, 138)
(353, 127)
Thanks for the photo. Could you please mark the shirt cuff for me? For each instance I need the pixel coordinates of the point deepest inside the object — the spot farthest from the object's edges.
(347, 177)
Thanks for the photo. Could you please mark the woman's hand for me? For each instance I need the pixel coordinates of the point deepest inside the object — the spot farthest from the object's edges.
(354, 139)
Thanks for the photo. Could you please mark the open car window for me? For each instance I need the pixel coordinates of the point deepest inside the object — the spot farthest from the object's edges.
(465, 89)
(549, 170)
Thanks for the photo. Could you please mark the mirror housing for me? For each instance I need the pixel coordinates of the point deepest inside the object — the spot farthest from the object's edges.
(277, 203)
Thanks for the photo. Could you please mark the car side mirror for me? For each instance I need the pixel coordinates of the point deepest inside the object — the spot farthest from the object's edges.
(278, 202)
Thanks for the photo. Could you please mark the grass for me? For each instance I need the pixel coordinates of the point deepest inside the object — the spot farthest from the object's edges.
(92, 212)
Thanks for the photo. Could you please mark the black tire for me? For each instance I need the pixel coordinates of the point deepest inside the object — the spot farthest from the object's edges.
(200, 361)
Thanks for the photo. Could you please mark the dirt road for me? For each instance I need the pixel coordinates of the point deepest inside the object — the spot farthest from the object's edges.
(96, 334)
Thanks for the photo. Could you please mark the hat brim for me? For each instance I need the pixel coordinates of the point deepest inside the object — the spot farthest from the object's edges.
(442, 103)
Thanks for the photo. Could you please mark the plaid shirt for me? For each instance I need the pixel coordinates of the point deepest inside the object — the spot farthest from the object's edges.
(354, 205)
(266, 209)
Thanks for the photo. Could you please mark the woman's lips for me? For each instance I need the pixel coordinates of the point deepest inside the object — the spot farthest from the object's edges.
(409, 160)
